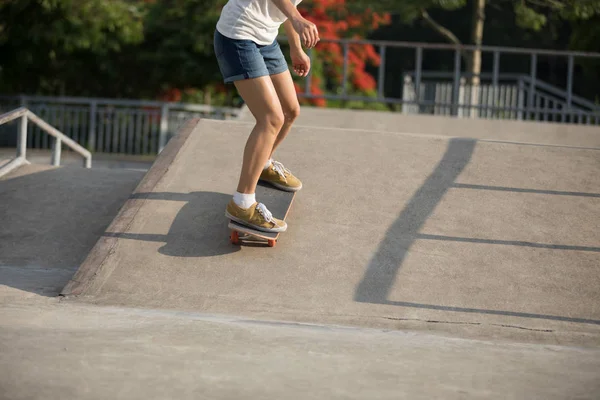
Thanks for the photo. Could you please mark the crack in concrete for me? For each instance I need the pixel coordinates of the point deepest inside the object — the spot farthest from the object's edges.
(468, 323)
(522, 327)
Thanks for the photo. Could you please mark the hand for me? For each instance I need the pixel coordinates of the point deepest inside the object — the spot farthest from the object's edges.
(300, 62)
(307, 31)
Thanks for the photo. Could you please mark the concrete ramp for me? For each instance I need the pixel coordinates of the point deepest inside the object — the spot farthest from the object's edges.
(50, 219)
(391, 231)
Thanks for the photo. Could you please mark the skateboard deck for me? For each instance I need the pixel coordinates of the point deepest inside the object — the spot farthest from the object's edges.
(277, 201)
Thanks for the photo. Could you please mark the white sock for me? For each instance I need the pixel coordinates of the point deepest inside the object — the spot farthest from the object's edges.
(268, 163)
(244, 200)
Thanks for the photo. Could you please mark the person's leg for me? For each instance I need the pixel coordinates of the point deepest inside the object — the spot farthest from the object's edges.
(286, 92)
(260, 96)
(241, 63)
(274, 172)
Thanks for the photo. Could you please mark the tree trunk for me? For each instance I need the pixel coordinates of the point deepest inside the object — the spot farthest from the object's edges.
(474, 66)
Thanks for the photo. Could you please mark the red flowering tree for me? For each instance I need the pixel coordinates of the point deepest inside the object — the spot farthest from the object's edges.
(335, 21)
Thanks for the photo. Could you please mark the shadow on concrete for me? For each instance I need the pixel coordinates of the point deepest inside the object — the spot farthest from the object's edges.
(51, 218)
(507, 243)
(381, 271)
(198, 230)
(387, 260)
(524, 190)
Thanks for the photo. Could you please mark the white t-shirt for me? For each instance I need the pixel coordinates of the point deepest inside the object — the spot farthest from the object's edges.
(256, 20)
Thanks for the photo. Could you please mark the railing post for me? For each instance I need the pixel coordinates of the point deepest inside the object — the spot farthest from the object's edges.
(22, 137)
(418, 69)
(570, 85)
(309, 76)
(345, 69)
(532, 85)
(456, 84)
(164, 127)
(407, 95)
(495, 75)
(56, 152)
(520, 100)
(92, 134)
(462, 98)
(381, 79)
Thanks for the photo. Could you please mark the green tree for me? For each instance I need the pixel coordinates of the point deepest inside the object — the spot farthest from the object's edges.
(178, 44)
(529, 14)
(60, 46)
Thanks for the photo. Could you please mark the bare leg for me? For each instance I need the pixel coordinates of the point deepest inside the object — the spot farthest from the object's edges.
(260, 96)
(284, 86)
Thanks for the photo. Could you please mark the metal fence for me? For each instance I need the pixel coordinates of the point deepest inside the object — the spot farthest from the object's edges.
(111, 126)
(526, 97)
(144, 127)
(506, 100)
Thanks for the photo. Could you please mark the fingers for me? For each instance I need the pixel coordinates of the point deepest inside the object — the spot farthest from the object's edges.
(314, 35)
(308, 32)
(301, 70)
(306, 38)
(310, 36)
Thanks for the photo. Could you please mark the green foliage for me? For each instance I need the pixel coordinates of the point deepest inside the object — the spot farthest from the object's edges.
(39, 39)
(151, 48)
(114, 48)
(529, 14)
(179, 42)
(528, 18)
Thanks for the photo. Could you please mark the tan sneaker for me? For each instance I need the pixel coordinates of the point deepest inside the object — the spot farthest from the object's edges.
(281, 177)
(256, 216)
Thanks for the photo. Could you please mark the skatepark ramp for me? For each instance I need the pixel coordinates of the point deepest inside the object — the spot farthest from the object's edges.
(492, 237)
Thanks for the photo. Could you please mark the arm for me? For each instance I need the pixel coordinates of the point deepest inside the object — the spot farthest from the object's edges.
(287, 8)
(293, 37)
(300, 61)
(306, 30)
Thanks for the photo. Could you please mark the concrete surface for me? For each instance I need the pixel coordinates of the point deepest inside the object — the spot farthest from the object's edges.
(464, 237)
(70, 158)
(416, 266)
(50, 220)
(68, 351)
(487, 129)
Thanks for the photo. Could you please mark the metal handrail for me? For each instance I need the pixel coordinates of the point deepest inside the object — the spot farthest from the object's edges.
(59, 138)
(122, 102)
(462, 47)
(560, 93)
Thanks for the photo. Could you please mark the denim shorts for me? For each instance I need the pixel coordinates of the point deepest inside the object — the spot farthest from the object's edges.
(244, 59)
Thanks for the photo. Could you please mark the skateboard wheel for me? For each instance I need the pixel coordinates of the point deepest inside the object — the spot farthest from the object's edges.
(235, 238)
(272, 243)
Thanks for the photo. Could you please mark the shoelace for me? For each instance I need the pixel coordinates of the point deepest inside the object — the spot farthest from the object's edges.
(280, 169)
(262, 209)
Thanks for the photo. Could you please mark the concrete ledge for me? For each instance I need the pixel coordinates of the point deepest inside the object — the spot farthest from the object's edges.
(12, 165)
(94, 262)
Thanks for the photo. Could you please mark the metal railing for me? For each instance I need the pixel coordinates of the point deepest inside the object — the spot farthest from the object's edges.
(59, 139)
(511, 92)
(534, 105)
(113, 126)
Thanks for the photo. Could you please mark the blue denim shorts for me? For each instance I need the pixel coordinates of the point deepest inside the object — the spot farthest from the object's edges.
(244, 59)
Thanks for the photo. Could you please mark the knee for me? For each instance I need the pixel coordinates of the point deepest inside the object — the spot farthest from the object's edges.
(291, 113)
(273, 121)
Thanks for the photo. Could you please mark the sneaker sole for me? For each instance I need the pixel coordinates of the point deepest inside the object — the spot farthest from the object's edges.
(258, 228)
(283, 187)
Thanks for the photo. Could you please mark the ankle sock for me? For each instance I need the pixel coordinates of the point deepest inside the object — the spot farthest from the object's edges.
(244, 200)
(268, 163)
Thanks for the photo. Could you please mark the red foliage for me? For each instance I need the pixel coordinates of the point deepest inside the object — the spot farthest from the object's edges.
(172, 94)
(334, 21)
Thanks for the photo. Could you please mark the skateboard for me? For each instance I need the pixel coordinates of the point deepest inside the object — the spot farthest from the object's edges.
(278, 202)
